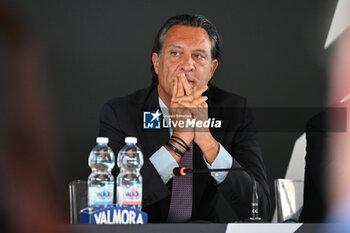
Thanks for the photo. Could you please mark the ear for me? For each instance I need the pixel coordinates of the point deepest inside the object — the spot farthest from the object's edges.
(155, 61)
(214, 65)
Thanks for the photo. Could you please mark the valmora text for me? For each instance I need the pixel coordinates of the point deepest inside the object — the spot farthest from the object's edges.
(118, 217)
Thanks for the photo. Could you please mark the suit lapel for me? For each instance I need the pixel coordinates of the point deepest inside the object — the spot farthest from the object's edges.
(151, 139)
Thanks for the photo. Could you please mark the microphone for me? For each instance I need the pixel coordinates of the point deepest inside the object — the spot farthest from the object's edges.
(182, 171)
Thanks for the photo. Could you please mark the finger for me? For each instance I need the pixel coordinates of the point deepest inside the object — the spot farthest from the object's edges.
(175, 88)
(180, 89)
(189, 107)
(204, 105)
(188, 98)
(199, 101)
(193, 96)
(187, 104)
(187, 86)
(200, 91)
(195, 103)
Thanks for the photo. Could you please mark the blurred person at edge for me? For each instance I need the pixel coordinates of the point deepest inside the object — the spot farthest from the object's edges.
(338, 154)
(327, 169)
(27, 197)
(338, 183)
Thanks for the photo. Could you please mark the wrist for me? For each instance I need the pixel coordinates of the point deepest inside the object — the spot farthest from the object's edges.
(211, 153)
(175, 155)
(184, 137)
(204, 140)
(178, 141)
(212, 146)
(178, 147)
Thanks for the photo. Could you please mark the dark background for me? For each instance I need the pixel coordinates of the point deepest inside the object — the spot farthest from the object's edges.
(93, 51)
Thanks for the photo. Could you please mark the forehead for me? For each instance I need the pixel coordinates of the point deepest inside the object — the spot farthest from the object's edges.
(187, 36)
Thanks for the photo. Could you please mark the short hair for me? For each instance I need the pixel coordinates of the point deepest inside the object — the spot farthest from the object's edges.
(187, 20)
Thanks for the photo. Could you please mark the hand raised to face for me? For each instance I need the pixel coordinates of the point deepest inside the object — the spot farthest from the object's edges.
(190, 103)
(179, 113)
(192, 100)
(195, 103)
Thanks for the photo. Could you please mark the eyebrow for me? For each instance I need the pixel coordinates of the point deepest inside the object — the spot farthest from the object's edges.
(201, 50)
(196, 50)
(176, 46)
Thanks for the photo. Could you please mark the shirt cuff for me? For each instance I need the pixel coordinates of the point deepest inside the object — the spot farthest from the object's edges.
(223, 160)
(164, 163)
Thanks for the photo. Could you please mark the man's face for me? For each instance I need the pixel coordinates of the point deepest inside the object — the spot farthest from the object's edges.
(187, 50)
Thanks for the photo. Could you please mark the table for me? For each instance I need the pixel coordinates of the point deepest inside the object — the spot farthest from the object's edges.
(200, 228)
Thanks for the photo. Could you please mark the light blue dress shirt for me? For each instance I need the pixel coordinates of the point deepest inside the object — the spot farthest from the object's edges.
(164, 162)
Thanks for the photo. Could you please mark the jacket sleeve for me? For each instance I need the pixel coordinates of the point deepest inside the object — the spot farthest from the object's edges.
(237, 186)
(314, 205)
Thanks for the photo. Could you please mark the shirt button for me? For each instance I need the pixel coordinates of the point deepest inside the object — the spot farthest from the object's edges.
(216, 174)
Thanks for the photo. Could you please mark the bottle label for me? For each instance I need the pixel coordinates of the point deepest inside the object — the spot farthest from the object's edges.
(129, 195)
(101, 195)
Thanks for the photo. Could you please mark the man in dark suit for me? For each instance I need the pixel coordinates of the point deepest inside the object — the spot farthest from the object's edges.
(325, 160)
(185, 56)
(314, 200)
(321, 131)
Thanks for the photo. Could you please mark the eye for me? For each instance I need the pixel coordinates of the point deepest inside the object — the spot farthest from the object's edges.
(199, 56)
(174, 53)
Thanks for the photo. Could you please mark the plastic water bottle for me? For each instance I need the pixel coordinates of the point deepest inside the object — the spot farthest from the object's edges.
(129, 180)
(101, 180)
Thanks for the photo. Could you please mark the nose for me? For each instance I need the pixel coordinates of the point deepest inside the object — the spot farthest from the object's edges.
(187, 64)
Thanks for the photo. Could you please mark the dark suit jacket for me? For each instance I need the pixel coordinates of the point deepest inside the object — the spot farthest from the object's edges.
(314, 204)
(319, 131)
(122, 117)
